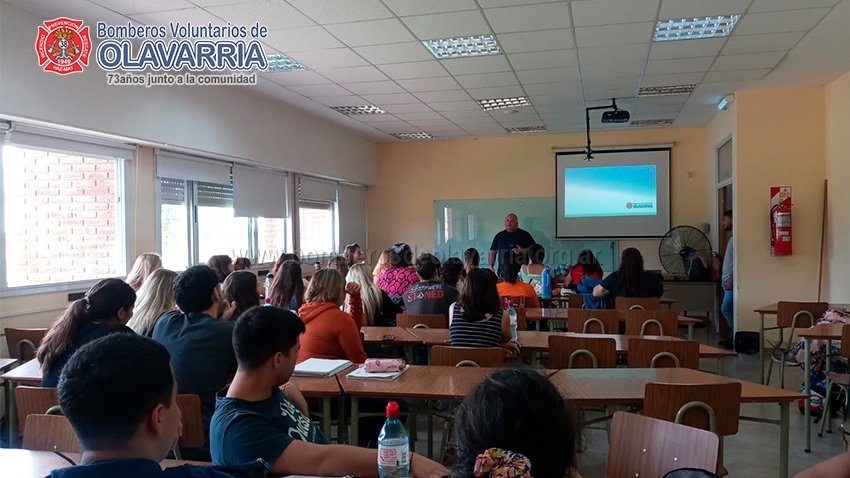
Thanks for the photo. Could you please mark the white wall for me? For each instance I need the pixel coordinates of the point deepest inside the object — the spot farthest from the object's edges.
(836, 287)
(232, 121)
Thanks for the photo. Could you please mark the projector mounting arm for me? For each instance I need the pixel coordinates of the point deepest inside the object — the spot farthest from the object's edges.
(587, 111)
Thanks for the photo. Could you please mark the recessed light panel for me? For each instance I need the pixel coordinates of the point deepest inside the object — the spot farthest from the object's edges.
(421, 135)
(475, 45)
(500, 103)
(666, 90)
(652, 122)
(526, 129)
(278, 62)
(695, 28)
(359, 110)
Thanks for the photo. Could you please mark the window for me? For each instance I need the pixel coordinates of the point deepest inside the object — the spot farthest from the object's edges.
(724, 162)
(62, 216)
(316, 228)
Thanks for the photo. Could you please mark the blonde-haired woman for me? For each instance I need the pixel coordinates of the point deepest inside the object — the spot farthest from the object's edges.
(144, 266)
(331, 333)
(155, 298)
(383, 263)
(378, 308)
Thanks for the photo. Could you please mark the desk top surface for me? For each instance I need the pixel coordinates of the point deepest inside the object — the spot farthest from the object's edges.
(317, 386)
(375, 335)
(537, 313)
(823, 331)
(5, 363)
(539, 341)
(38, 464)
(28, 372)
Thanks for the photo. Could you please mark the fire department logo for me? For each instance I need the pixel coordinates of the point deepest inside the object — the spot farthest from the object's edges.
(63, 47)
(629, 205)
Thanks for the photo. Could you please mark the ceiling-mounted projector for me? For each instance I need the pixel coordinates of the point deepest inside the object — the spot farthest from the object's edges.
(616, 116)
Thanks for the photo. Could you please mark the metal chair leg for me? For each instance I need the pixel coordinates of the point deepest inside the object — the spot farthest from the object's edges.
(781, 372)
(770, 367)
(825, 418)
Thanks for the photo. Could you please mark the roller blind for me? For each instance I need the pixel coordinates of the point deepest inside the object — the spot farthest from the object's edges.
(316, 190)
(70, 143)
(353, 225)
(172, 191)
(213, 195)
(259, 193)
(179, 166)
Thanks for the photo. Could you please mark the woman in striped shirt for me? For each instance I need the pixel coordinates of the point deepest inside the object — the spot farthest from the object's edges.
(477, 318)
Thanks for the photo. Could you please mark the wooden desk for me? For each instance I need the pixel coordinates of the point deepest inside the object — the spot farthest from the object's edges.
(564, 299)
(538, 314)
(38, 464)
(828, 332)
(29, 374)
(626, 387)
(6, 364)
(375, 335)
(325, 388)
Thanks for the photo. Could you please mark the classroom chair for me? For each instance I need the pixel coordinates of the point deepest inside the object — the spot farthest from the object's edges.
(791, 315)
(570, 351)
(637, 303)
(575, 301)
(651, 322)
(517, 300)
(33, 401)
(590, 321)
(193, 424)
(22, 343)
(644, 446)
(840, 379)
(467, 356)
(49, 433)
(659, 353)
(416, 321)
(714, 407)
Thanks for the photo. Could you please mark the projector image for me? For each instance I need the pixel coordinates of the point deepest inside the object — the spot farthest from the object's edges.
(616, 116)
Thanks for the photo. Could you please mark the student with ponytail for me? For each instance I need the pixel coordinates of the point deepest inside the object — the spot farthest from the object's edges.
(104, 310)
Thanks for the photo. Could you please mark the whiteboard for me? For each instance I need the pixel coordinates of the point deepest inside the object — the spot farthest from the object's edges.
(464, 223)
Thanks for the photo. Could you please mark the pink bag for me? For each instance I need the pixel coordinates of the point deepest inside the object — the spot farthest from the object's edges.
(373, 365)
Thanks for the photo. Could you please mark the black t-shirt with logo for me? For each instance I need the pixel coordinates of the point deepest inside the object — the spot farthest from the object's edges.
(430, 297)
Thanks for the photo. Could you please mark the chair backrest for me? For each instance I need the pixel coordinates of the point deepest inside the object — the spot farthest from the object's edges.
(193, 421)
(44, 432)
(652, 353)
(786, 311)
(695, 405)
(575, 301)
(643, 446)
(637, 303)
(33, 401)
(431, 321)
(571, 351)
(517, 300)
(22, 343)
(466, 356)
(592, 321)
(651, 322)
(845, 339)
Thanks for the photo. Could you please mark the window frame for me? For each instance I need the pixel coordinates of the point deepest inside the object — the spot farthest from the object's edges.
(333, 207)
(122, 211)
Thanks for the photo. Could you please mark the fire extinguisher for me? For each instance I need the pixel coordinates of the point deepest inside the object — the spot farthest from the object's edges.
(780, 229)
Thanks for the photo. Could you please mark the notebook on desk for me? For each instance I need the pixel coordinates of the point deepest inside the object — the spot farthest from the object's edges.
(363, 374)
(314, 367)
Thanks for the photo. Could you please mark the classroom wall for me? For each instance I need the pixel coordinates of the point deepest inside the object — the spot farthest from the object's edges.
(231, 121)
(837, 256)
(780, 142)
(412, 175)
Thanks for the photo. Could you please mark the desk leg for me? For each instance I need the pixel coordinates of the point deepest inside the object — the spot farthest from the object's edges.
(342, 427)
(761, 347)
(326, 418)
(784, 429)
(720, 364)
(537, 325)
(11, 413)
(807, 379)
(690, 331)
(355, 421)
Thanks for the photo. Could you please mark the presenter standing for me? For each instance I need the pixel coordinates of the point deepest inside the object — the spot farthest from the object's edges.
(512, 239)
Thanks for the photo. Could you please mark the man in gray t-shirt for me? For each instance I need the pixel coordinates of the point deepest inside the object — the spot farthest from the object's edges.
(728, 306)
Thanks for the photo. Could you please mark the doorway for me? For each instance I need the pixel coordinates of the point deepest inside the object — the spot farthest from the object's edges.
(724, 203)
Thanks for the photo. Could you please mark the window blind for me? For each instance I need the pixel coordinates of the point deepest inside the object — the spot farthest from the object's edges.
(213, 195)
(172, 191)
(259, 193)
(69, 143)
(311, 189)
(190, 168)
(353, 225)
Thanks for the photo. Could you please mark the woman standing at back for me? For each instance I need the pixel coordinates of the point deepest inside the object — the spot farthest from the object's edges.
(400, 275)
(155, 298)
(477, 318)
(631, 280)
(104, 310)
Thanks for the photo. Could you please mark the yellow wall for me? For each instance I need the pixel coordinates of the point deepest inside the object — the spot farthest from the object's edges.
(412, 175)
(780, 142)
(837, 270)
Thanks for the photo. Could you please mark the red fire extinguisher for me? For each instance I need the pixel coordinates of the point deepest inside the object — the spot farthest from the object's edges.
(780, 229)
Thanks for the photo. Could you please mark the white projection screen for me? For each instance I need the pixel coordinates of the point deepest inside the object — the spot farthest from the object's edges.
(621, 193)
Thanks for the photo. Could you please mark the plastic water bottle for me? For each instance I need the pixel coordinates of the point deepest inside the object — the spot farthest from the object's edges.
(317, 265)
(512, 315)
(393, 446)
(268, 302)
(269, 278)
(546, 279)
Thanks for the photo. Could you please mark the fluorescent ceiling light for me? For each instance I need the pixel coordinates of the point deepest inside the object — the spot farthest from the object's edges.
(278, 62)
(666, 90)
(359, 110)
(421, 135)
(475, 45)
(526, 129)
(500, 103)
(652, 122)
(695, 28)
(725, 102)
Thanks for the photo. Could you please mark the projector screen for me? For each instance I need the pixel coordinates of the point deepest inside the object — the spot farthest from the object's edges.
(620, 193)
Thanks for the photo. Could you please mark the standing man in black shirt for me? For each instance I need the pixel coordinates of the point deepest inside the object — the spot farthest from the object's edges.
(512, 239)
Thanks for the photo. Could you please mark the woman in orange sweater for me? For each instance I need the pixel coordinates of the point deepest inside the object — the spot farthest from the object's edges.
(513, 287)
(331, 333)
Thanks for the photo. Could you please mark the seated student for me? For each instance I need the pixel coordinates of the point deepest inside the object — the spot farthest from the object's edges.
(836, 467)
(471, 259)
(513, 287)
(586, 266)
(537, 439)
(431, 295)
(145, 265)
(631, 280)
(240, 288)
(155, 298)
(378, 308)
(477, 318)
(242, 264)
(383, 263)
(222, 265)
(288, 257)
(352, 254)
(532, 270)
(331, 333)
(452, 273)
(104, 310)
(353, 302)
(198, 337)
(261, 416)
(287, 287)
(126, 422)
(399, 275)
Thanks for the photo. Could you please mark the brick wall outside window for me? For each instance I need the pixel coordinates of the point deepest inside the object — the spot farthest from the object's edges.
(60, 217)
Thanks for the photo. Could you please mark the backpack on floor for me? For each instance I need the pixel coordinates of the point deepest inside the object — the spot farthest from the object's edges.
(690, 473)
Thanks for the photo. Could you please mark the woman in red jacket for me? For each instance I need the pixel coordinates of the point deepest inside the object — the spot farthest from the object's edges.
(587, 265)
